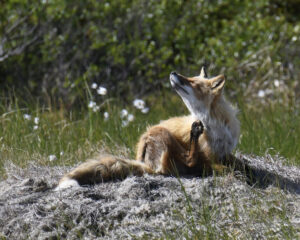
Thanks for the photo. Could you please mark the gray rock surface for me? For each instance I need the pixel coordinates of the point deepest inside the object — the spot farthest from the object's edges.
(266, 171)
(140, 207)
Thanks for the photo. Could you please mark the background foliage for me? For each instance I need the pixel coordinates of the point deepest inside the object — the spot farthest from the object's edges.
(50, 48)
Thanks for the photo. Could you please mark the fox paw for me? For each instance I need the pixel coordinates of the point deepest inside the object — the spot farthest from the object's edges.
(197, 129)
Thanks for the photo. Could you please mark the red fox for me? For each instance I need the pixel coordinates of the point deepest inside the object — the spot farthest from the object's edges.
(187, 145)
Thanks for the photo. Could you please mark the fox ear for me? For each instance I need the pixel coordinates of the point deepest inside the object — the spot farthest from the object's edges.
(203, 73)
(217, 84)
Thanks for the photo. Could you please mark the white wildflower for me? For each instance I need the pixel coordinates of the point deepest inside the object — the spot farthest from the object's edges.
(102, 91)
(96, 108)
(130, 118)
(145, 110)
(52, 158)
(36, 120)
(35, 127)
(125, 123)
(94, 85)
(261, 93)
(91, 104)
(276, 83)
(294, 38)
(61, 153)
(124, 113)
(106, 115)
(27, 116)
(139, 103)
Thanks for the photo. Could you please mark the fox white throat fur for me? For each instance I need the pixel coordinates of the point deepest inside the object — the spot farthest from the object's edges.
(188, 145)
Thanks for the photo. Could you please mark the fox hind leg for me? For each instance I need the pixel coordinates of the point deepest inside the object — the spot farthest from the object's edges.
(159, 150)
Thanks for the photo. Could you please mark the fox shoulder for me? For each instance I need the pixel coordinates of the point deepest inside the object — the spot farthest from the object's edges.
(180, 127)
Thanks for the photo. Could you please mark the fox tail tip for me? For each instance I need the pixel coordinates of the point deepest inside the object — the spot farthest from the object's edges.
(66, 183)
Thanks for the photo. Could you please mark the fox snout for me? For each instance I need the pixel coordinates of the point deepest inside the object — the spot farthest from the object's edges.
(176, 79)
(178, 82)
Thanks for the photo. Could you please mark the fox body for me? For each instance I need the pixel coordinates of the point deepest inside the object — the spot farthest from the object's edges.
(181, 145)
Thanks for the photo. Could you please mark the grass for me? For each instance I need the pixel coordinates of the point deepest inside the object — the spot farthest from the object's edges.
(77, 134)
(227, 219)
(274, 129)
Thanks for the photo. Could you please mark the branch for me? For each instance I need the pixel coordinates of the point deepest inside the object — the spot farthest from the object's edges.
(19, 49)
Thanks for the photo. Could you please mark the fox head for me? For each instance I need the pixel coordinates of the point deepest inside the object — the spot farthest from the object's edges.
(198, 93)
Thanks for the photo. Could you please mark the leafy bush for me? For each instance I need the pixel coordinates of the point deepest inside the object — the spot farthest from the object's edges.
(54, 47)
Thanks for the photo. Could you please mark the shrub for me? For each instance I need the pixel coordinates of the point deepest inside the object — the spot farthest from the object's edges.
(53, 47)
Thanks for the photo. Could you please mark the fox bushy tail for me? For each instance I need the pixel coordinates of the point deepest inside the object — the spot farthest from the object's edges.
(104, 169)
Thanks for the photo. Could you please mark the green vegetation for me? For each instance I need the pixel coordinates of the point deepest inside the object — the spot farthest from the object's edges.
(274, 130)
(51, 48)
